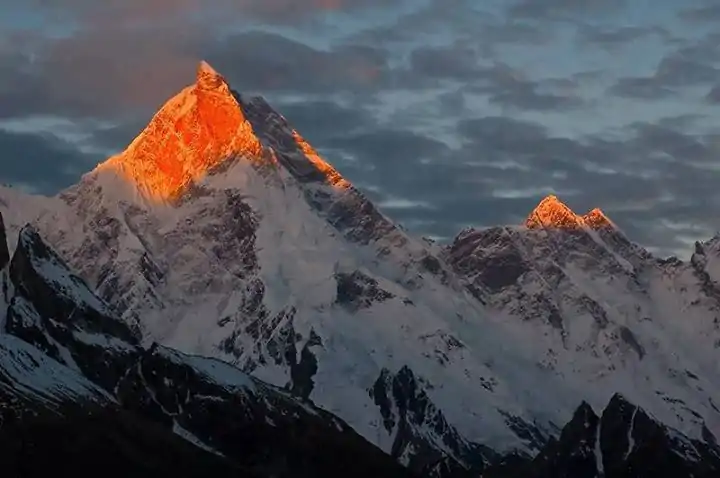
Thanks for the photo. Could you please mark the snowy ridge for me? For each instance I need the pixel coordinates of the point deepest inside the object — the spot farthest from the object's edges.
(52, 268)
(215, 370)
(26, 372)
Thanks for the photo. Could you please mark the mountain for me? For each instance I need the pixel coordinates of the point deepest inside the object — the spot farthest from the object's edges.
(221, 232)
(76, 385)
(623, 441)
(77, 390)
(602, 311)
(270, 260)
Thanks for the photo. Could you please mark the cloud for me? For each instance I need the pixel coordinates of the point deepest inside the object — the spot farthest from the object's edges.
(89, 76)
(562, 9)
(92, 74)
(456, 18)
(510, 88)
(126, 57)
(41, 162)
(320, 121)
(116, 137)
(703, 14)
(613, 38)
(450, 62)
(504, 85)
(701, 49)
(474, 110)
(261, 61)
(654, 179)
(134, 12)
(713, 95)
(645, 88)
(675, 70)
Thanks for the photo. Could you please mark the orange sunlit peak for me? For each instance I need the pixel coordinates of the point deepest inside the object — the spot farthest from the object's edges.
(597, 219)
(332, 176)
(207, 78)
(193, 132)
(198, 129)
(553, 213)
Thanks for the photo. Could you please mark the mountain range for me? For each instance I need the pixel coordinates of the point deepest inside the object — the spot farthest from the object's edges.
(221, 291)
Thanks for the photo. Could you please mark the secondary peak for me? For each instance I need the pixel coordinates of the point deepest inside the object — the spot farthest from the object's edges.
(209, 79)
(597, 219)
(553, 213)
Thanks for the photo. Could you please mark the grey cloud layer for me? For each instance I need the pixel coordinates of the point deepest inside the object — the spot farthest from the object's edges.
(655, 173)
(41, 162)
(691, 64)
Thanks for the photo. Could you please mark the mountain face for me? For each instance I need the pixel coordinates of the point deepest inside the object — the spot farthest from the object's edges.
(78, 390)
(76, 384)
(602, 308)
(221, 232)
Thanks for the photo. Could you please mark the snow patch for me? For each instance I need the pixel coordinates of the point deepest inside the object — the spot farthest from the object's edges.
(599, 466)
(217, 371)
(630, 439)
(189, 437)
(28, 372)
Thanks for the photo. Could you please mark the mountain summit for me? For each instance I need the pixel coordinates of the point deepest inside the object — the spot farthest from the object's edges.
(205, 125)
(209, 79)
(552, 213)
(195, 131)
(596, 219)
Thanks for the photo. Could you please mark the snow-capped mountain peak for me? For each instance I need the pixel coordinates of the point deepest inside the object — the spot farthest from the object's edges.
(553, 213)
(209, 79)
(597, 219)
(195, 131)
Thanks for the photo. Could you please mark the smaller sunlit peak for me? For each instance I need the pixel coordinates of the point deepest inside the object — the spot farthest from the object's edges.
(597, 219)
(209, 79)
(552, 213)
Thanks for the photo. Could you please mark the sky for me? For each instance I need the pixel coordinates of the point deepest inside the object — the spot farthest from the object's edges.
(447, 113)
